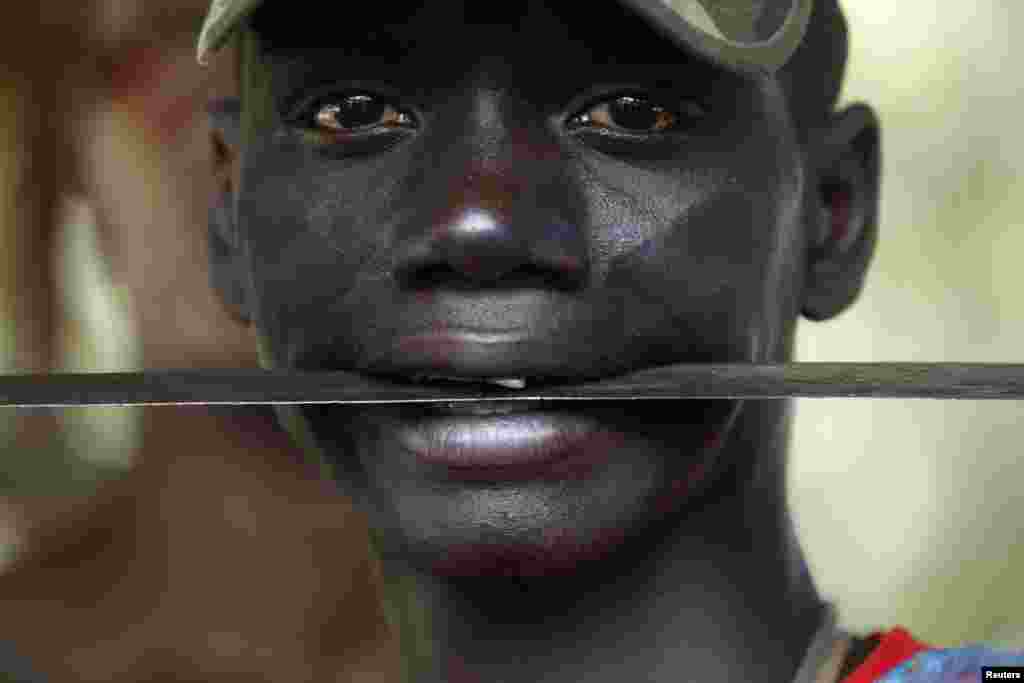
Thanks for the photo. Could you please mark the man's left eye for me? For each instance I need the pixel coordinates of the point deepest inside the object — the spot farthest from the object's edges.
(633, 114)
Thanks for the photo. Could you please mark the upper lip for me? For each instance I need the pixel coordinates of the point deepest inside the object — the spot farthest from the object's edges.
(497, 381)
(485, 356)
(482, 355)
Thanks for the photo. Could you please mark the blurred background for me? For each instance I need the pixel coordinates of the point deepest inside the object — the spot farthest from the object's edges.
(911, 511)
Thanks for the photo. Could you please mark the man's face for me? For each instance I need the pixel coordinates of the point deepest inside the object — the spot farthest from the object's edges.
(553, 196)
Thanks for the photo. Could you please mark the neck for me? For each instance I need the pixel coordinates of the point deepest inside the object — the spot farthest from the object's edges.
(718, 594)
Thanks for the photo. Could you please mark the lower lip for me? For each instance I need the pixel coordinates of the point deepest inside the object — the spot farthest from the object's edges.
(512, 446)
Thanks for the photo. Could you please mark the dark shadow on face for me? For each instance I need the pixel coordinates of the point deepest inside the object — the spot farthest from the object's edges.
(552, 194)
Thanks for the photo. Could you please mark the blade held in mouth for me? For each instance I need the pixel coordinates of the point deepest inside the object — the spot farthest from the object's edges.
(688, 381)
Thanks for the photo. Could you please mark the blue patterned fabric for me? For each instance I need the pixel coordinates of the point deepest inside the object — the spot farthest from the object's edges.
(953, 665)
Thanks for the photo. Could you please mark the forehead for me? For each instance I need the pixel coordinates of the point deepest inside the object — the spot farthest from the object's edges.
(562, 32)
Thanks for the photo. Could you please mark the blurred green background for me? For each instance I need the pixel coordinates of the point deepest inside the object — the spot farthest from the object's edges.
(910, 511)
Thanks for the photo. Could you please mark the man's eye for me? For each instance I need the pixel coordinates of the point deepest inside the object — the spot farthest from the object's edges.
(356, 113)
(635, 114)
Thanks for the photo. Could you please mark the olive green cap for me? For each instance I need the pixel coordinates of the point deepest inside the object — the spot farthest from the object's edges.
(753, 36)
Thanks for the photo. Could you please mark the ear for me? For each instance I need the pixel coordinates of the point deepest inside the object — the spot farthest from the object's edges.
(227, 272)
(845, 164)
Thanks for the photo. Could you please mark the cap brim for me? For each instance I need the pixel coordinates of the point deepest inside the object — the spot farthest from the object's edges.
(686, 25)
(692, 33)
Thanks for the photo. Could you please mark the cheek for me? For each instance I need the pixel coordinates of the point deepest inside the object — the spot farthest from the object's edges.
(722, 202)
(712, 247)
(310, 236)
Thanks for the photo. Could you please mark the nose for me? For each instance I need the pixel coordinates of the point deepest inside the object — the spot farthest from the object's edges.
(504, 214)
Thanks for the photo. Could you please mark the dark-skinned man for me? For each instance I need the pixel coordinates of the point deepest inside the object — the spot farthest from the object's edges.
(556, 192)
(474, 207)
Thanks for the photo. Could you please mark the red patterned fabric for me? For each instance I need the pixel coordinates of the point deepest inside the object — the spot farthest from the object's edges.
(896, 646)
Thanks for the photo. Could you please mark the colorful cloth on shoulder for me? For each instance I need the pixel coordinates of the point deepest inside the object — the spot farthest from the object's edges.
(899, 658)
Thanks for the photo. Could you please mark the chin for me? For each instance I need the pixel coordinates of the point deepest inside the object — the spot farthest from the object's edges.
(561, 552)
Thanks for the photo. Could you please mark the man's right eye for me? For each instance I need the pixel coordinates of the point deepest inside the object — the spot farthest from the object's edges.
(358, 113)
